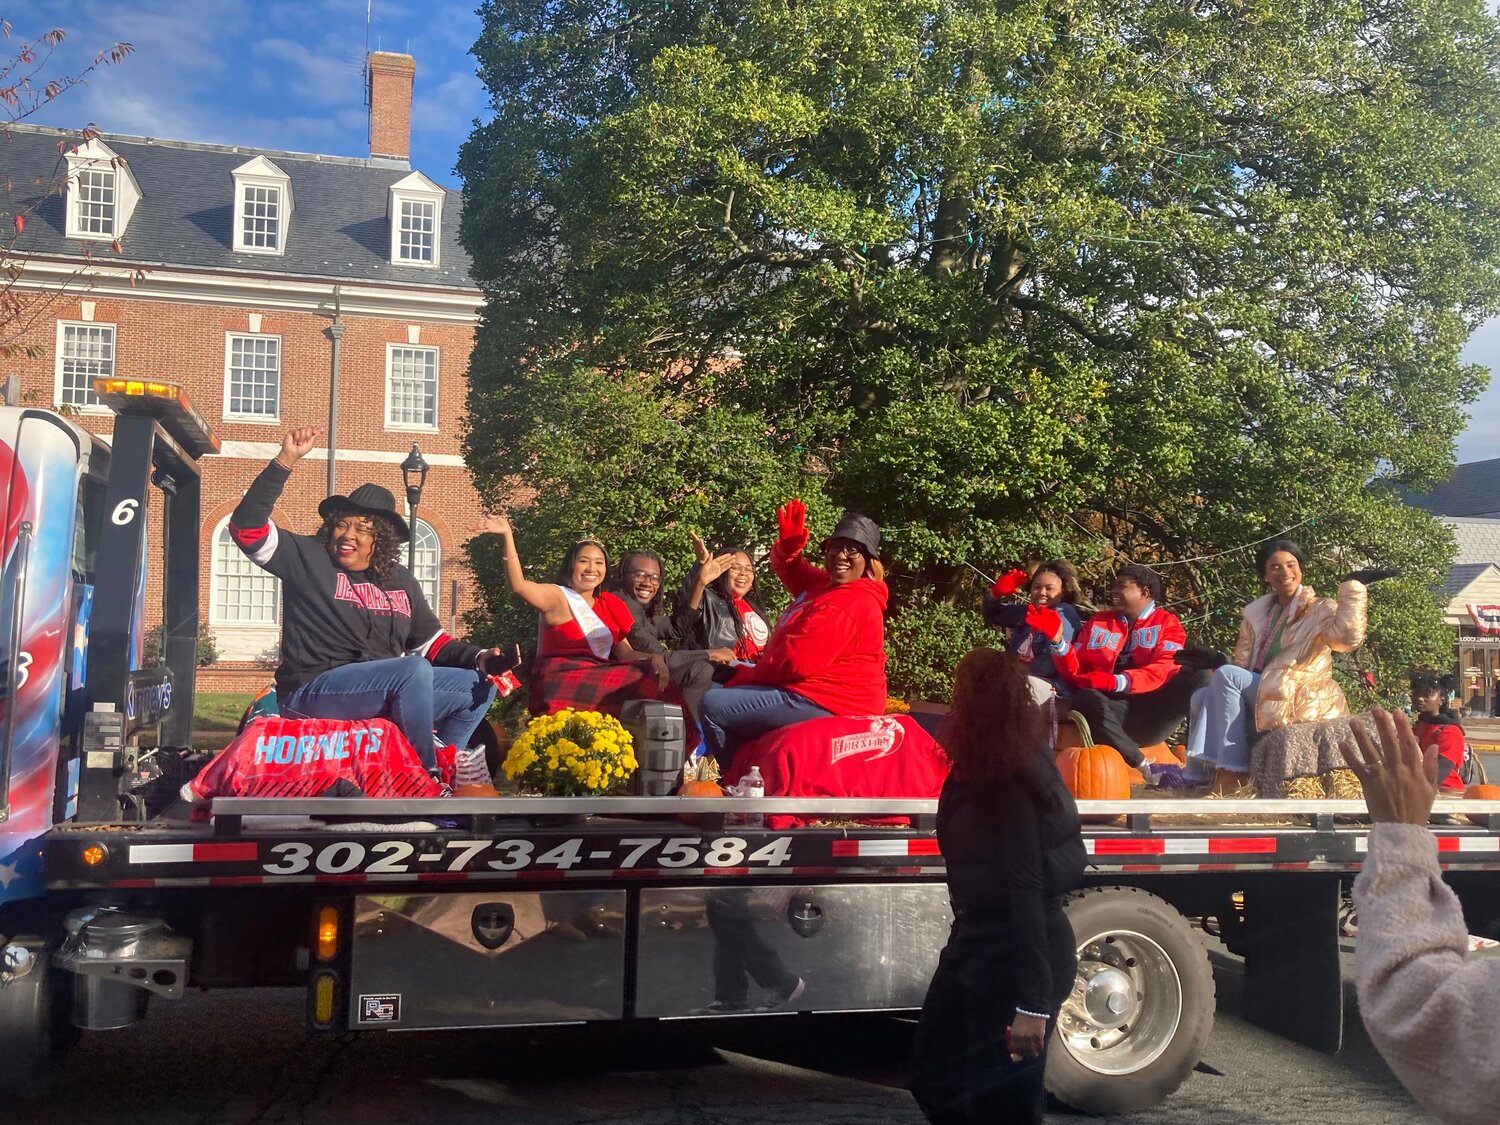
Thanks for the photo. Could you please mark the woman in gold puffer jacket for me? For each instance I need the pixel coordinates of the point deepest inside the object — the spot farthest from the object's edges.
(1281, 672)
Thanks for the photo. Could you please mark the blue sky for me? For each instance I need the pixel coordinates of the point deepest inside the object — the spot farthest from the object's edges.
(288, 76)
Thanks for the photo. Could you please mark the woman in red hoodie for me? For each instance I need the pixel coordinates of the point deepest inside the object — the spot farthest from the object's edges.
(826, 655)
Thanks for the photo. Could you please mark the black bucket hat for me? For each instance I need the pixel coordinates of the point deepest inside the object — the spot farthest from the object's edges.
(857, 529)
(368, 500)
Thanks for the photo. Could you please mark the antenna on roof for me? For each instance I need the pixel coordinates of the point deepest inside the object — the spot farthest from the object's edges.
(368, 5)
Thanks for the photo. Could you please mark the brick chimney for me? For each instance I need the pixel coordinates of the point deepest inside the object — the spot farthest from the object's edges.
(391, 78)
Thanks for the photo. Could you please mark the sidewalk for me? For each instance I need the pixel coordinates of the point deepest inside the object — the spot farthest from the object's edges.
(1483, 733)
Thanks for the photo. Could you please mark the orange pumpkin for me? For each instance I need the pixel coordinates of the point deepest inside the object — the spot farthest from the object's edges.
(1093, 772)
(700, 778)
(1482, 793)
(475, 791)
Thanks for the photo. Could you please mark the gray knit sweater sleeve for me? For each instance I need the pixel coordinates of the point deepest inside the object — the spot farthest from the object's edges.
(1427, 1009)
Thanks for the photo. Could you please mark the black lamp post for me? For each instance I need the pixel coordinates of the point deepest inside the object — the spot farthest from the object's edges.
(414, 474)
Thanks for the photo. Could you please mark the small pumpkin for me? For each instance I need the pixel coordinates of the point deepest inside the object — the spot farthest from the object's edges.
(1093, 771)
(1482, 793)
(700, 778)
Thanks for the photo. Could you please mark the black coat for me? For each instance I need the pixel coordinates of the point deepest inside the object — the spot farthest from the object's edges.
(714, 624)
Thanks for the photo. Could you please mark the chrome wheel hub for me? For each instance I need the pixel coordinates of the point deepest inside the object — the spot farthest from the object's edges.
(1125, 1006)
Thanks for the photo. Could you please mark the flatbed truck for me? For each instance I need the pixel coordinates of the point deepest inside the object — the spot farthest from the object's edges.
(519, 912)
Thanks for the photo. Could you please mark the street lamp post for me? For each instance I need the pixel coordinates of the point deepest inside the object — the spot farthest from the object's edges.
(414, 475)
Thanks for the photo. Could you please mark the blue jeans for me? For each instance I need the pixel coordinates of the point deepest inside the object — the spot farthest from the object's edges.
(1221, 720)
(407, 690)
(731, 715)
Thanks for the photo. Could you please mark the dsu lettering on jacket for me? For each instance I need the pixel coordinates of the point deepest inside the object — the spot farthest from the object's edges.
(1139, 654)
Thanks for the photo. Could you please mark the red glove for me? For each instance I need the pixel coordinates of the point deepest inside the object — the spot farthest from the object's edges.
(1008, 583)
(1099, 681)
(791, 520)
(1047, 622)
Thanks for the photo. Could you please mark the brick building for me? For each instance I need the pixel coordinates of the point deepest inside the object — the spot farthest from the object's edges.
(233, 267)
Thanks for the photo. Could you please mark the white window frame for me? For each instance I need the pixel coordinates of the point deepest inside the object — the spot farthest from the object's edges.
(252, 419)
(262, 174)
(437, 384)
(57, 363)
(98, 158)
(434, 600)
(417, 188)
(216, 581)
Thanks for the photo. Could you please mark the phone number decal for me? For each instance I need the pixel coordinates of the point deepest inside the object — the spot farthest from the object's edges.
(400, 857)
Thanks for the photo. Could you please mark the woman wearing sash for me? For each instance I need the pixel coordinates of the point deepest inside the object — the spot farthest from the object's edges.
(1282, 668)
(583, 659)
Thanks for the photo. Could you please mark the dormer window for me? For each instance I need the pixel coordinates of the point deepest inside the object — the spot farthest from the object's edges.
(262, 207)
(416, 221)
(102, 194)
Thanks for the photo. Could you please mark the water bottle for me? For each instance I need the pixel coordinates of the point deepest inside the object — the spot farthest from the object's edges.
(752, 785)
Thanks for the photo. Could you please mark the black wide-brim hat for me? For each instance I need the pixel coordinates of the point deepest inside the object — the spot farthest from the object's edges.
(857, 529)
(368, 500)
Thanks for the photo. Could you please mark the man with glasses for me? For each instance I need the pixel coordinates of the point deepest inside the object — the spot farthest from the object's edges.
(639, 585)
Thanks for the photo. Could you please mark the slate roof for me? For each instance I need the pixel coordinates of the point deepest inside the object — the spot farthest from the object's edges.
(1478, 540)
(1472, 490)
(340, 224)
(1460, 575)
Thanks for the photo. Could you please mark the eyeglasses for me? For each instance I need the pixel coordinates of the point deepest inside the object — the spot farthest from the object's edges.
(646, 576)
(844, 549)
(742, 570)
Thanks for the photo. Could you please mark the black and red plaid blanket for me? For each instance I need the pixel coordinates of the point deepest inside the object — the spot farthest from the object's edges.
(584, 684)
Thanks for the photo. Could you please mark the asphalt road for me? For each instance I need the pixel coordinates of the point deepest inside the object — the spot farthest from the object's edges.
(243, 1058)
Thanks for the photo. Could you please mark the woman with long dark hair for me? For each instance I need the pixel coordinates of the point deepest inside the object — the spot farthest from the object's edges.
(720, 611)
(583, 657)
(1009, 832)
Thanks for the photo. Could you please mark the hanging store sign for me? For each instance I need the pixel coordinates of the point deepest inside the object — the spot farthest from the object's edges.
(1486, 617)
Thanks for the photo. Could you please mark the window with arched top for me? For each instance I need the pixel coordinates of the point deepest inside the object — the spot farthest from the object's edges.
(427, 562)
(241, 592)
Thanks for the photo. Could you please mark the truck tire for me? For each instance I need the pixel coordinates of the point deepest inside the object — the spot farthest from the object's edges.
(1142, 1005)
(35, 1028)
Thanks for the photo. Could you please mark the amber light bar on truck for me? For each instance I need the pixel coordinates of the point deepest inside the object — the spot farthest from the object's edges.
(166, 402)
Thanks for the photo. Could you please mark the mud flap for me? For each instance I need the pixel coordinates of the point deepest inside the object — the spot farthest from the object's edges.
(1293, 981)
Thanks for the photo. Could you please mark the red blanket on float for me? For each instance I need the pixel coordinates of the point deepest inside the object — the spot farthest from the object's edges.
(276, 757)
(864, 756)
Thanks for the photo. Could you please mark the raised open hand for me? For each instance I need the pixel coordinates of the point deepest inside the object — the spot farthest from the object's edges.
(712, 568)
(298, 443)
(700, 548)
(1008, 583)
(791, 522)
(493, 523)
(1398, 777)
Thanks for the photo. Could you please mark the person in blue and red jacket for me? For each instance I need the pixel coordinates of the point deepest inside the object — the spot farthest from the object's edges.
(358, 639)
(826, 655)
(1122, 666)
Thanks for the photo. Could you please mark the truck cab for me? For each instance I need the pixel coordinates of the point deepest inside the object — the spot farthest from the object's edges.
(86, 723)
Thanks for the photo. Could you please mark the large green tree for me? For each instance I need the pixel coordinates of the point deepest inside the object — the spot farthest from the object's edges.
(1148, 279)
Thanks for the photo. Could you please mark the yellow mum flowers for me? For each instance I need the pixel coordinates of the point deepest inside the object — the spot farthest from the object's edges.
(572, 754)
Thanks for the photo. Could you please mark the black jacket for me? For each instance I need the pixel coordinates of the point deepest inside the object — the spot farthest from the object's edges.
(651, 632)
(1013, 849)
(714, 624)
